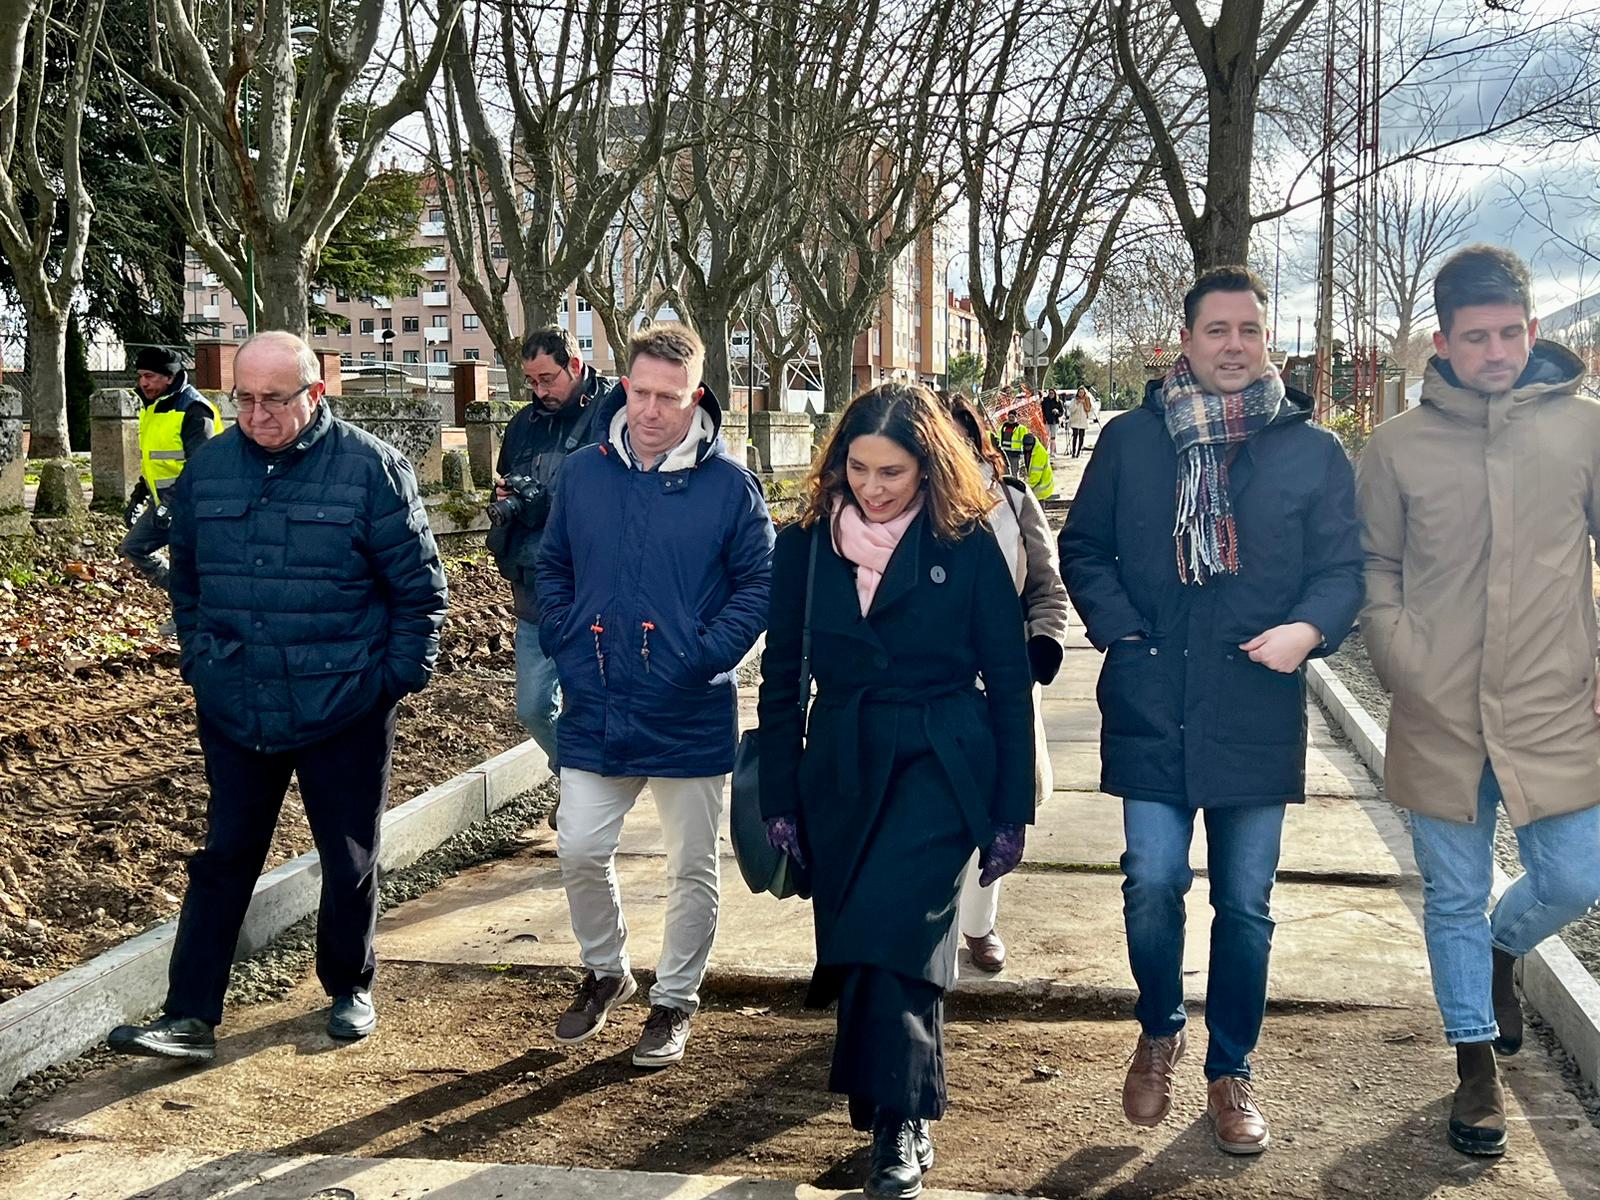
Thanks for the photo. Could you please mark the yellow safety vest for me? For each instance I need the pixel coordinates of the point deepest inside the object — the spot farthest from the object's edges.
(1040, 476)
(161, 445)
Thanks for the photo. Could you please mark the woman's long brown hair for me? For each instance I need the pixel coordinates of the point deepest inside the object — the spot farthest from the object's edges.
(969, 420)
(910, 416)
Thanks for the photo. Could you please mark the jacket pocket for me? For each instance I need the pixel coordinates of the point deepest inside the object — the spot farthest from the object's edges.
(1135, 697)
(320, 535)
(215, 670)
(675, 656)
(328, 681)
(220, 532)
(1257, 706)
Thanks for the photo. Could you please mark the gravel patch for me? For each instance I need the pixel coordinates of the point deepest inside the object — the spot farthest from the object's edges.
(270, 974)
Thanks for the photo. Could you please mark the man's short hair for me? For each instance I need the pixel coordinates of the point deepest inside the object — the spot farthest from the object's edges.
(1232, 278)
(672, 341)
(1481, 274)
(310, 366)
(553, 340)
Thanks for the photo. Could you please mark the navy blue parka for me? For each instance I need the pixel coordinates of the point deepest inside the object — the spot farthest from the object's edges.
(652, 586)
(1186, 717)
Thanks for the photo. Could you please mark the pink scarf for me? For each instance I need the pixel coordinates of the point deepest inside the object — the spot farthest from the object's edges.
(869, 544)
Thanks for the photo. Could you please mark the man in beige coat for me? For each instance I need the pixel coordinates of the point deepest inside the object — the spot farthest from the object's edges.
(1479, 507)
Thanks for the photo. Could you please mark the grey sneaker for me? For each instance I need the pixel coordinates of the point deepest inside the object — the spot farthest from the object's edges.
(353, 1016)
(597, 996)
(661, 1044)
(187, 1038)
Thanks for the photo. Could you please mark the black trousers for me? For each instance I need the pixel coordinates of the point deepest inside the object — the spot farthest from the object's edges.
(147, 535)
(889, 1050)
(344, 784)
(1077, 441)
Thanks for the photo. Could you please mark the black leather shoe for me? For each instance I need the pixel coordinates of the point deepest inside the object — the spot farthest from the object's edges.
(187, 1038)
(922, 1139)
(895, 1173)
(353, 1016)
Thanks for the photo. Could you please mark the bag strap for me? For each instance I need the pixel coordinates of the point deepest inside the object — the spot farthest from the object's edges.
(805, 628)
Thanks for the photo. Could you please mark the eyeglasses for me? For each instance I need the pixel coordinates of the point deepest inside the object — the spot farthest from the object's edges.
(550, 380)
(269, 403)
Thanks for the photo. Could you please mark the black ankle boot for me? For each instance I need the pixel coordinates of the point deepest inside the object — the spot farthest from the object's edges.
(895, 1173)
(1478, 1113)
(1507, 1008)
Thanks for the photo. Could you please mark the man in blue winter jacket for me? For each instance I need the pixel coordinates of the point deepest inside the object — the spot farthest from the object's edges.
(309, 596)
(652, 579)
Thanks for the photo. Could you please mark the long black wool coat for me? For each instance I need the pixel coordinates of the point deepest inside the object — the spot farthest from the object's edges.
(907, 764)
(1186, 717)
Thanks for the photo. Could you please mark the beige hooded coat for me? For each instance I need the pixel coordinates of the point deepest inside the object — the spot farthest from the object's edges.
(1480, 613)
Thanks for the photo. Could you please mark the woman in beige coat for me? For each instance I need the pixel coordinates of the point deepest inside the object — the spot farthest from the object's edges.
(1023, 532)
(1479, 507)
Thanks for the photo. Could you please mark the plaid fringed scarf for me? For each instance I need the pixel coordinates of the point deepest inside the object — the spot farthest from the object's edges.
(1204, 427)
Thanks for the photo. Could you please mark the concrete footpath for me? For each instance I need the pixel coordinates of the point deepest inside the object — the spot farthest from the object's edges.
(463, 1094)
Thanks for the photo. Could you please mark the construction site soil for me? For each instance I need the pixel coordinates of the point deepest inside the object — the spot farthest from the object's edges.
(102, 781)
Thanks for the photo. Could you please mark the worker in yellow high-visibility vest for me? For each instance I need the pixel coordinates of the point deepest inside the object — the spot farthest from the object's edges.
(175, 421)
(1028, 458)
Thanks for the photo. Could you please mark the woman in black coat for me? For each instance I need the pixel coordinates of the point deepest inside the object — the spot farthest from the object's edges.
(907, 766)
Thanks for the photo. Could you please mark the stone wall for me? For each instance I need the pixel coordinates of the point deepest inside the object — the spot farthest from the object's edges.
(782, 442)
(13, 516)
(736, 435)
(409, 423)
(113, 444)
(486, 422)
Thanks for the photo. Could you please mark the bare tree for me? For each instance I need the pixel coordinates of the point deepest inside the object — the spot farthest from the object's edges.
(1421, 218)
(627, 276)
(564, 112)
(45, 207)
(282, 123)
(782, 335)
(874, 139)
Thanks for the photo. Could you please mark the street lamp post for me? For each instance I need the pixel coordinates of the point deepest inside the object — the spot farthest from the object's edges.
(945, 302)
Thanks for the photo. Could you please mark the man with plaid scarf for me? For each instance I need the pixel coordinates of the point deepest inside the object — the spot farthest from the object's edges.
(1211, 549)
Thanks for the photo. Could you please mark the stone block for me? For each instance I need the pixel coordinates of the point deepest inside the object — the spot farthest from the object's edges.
(60, 491)
(409, 423)
(456, 474)
(736, 433)
(114, 444)
(782, 441)
(486, 422)
(13, 455)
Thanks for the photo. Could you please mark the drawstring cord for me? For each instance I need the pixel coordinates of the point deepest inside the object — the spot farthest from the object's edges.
(599, 654)
(644, 651)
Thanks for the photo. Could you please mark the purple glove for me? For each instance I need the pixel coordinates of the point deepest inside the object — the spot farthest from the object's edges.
(1001, 856)
(783, 833)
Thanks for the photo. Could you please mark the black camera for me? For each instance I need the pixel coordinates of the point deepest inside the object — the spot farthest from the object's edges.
(527, 501)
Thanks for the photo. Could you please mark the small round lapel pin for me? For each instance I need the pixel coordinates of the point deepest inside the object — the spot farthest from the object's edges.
(936, 574)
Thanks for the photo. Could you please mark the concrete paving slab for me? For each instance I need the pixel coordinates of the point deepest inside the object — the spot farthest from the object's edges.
(1341, 945)
(1330, 771)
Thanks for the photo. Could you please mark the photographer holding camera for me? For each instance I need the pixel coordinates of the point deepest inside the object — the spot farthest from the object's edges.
(558, 420)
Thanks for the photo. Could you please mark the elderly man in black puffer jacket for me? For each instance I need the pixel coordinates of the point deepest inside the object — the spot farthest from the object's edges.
(309, 596)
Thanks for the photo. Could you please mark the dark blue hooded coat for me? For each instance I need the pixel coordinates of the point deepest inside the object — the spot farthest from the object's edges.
(1187, 717)
(652, 586)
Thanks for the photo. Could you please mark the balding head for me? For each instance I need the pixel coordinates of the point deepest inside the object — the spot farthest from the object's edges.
(277, 385)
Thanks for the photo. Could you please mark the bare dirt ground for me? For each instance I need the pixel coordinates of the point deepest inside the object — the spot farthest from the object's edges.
(102, 783)
(464, 1069)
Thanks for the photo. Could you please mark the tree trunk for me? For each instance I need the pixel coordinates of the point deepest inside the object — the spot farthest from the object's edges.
(47, 355)
(283, 291)
(1224, 235)
(838, 347)
(777, 382)
(996, 350)
(718, 374)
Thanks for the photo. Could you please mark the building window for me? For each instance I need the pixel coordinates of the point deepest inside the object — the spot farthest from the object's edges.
(320, 330)
(241, 331)
(496, 251)
(236, 303)
(341, 294)
(583, 305)
(410, 324)
(436, 214)
(388, 322)
(469, 320)
(470, 354)
(499, 359)
(413, 289)
(440, 321)
(369, 356)
(411, 356)
(215, 299)
(438, 285)
(388, 354)
(441, 356)
(367, 324)
(586, 345)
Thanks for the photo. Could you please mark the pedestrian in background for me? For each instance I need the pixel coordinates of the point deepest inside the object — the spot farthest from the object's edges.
(1202, 693)
(907, 767)
(1052, 408)
(1079, 414)
(1479, 505)
(560, 418)
(1023, 533)
(175, 420)
(309, 596)
(653, 580)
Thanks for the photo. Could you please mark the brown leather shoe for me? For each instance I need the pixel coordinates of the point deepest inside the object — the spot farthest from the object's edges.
(1478, 1111)
(988, 952)
(1147, 1091)
(1236, 1122)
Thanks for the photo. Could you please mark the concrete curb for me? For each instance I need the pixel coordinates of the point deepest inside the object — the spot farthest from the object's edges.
(1553, 981)
(70, 1014)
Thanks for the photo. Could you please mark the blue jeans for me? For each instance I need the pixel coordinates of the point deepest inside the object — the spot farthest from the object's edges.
(1560, 882)
(538, 689)
(1242, 862)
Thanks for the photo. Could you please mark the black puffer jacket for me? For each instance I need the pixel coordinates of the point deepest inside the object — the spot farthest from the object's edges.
(306, 585)
(537, 441)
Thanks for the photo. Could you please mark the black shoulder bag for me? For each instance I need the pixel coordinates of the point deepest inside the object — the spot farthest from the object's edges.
(766, 868)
